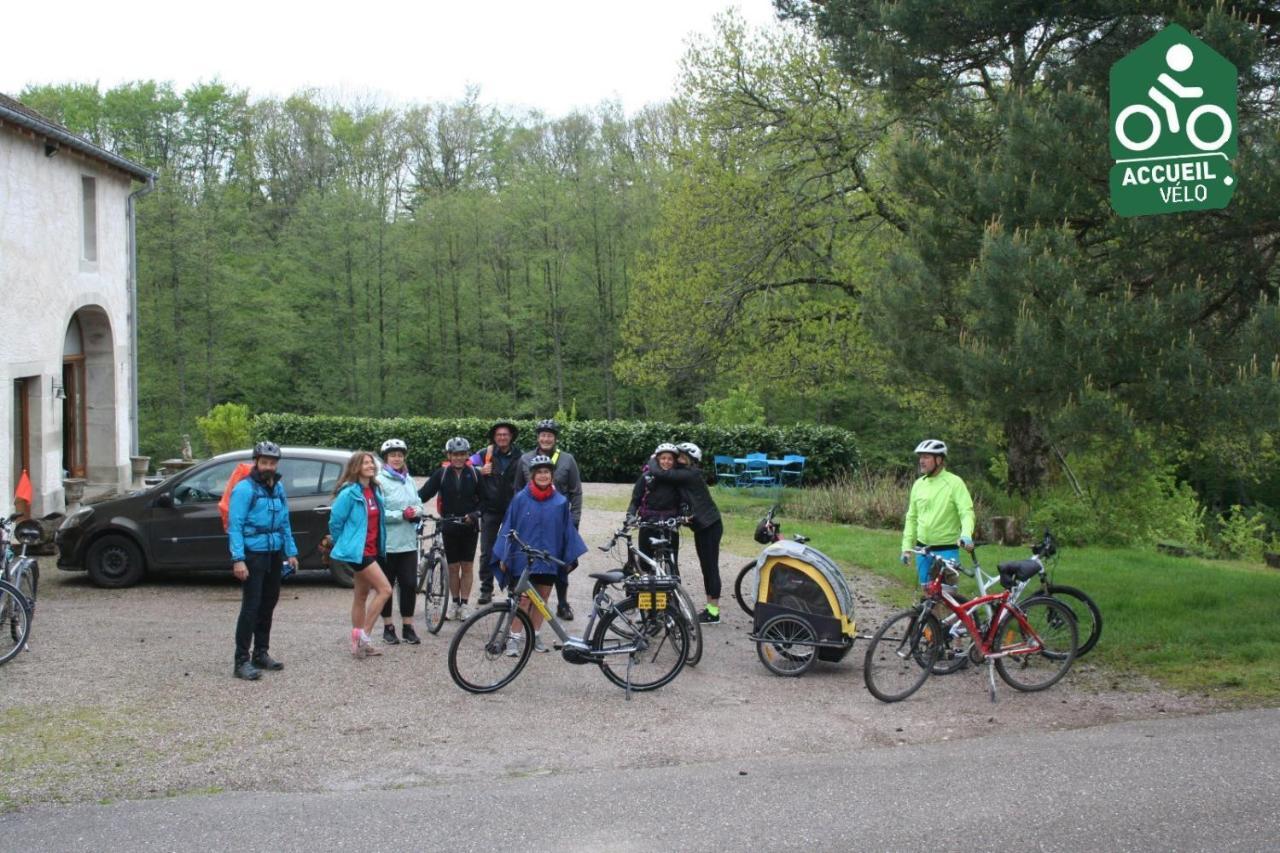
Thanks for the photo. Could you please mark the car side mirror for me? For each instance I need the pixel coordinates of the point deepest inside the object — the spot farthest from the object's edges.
(164, 501)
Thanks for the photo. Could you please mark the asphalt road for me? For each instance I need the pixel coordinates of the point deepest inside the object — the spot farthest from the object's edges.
(1188, 783)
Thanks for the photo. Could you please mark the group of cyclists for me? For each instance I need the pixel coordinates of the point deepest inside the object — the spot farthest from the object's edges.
(482, 496)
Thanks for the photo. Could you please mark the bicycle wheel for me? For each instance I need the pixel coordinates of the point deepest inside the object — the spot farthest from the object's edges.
(1088, 616)
(901, 655)
(478, 658)
(659, 643)
(15, 622)
(690, 615)
(435, 590)
(785, 645)
(1055, 626)
(744, 588)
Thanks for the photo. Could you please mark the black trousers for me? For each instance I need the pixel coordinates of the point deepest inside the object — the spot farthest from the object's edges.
(707, 544)
(401, 570)
(258, 597)
(489, 524)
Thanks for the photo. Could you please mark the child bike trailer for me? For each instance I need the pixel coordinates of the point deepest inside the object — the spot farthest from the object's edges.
(804, 609)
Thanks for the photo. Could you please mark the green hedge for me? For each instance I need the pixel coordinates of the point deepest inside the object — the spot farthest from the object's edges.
(607, 451)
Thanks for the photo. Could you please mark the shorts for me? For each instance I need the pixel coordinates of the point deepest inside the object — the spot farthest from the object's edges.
(460, 545)
(924, 563)
(365, 562)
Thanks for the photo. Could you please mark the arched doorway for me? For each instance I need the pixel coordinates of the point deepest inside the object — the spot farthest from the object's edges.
(89, 405)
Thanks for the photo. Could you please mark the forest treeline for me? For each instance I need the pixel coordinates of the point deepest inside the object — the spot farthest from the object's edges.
(888, 217)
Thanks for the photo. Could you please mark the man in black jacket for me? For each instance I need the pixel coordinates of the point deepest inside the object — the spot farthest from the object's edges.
(497, 465)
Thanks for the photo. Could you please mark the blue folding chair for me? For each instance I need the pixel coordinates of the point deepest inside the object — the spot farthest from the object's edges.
(726, 471)
(757, 470)
(793, 471)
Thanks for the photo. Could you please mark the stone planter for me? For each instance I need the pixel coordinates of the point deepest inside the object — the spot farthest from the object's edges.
(140, 465)
(73, 490)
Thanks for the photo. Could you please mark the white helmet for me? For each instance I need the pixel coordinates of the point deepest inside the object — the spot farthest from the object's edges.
(932, 445)
(666, 447)
(692, 450)
(394, 444)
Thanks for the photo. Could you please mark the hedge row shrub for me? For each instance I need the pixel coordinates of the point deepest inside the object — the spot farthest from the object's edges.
(607, 451)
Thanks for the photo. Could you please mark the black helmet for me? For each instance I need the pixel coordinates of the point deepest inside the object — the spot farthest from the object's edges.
(269, 449)
(766, 531)
(515, 430)
(549, 425)
(540, 461)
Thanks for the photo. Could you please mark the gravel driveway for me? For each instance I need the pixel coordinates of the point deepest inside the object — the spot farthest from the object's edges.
(129, 694)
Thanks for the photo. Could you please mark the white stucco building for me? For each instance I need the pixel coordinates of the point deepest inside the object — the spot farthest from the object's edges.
(67, 354)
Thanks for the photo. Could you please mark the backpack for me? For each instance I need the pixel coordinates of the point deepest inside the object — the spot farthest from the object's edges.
(224, 503)
(440, 494)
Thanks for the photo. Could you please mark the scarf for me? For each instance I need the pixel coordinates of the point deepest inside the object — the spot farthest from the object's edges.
(394, 473)
(541, 494)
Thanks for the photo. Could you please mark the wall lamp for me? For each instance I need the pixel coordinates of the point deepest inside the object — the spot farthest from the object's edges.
(59, 393)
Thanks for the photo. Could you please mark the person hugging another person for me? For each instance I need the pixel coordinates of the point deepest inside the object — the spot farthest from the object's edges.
(456, 488)
(693, 482)
(357, 526)
(403, 508)
(652, 500)
(568, 482)
(541, 517)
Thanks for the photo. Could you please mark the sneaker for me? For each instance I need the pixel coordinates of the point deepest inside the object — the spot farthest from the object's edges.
(537, 643)
(247, 671)
(370, 650)
(357, 647)
(513, 645)
(564, 611)
(389, 635)
(262, 660)
(485, 598)
(410, 635)
(707, 618)
(463, 613)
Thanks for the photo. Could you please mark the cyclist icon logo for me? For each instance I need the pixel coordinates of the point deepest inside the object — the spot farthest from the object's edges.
(1173, 101)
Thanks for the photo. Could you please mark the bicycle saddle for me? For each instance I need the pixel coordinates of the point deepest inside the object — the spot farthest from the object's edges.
(614, 576)
(1017, 570)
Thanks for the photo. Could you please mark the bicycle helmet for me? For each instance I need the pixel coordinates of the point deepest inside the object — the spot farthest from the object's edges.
(269, 449)
(540, 461)
(393, 444)
(457, 444)
(693, 451)
(666, 447)
(766, 532)
(932, 445)
(550, 426)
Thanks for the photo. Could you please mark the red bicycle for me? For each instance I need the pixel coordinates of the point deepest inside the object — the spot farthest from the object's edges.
(1031, 643)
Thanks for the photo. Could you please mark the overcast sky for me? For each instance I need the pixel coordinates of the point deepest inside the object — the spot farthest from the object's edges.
(553, 55)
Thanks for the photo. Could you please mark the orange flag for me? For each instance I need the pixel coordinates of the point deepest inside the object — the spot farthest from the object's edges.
(23, 492)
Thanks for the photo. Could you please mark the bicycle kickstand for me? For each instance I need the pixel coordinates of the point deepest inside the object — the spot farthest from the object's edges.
(630, 661)
(991, 678)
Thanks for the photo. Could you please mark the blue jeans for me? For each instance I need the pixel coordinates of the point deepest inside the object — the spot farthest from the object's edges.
(923, 562)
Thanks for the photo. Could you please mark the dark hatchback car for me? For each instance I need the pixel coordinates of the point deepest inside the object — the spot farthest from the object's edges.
(176, 527)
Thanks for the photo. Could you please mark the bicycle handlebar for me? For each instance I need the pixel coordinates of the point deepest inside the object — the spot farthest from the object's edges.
(535, 553)
(951, 564)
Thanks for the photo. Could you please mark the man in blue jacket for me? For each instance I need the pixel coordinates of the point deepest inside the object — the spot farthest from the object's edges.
(261, 541)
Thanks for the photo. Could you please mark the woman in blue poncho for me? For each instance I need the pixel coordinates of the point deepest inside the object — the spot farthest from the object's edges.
(542, 518)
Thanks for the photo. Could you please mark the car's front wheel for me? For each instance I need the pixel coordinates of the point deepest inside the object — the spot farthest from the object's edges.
(115, 561)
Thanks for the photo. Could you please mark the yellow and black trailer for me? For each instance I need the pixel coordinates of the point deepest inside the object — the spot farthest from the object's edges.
(803, 610)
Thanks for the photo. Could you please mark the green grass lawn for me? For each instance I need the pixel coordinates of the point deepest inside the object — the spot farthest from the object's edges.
(1210, 626)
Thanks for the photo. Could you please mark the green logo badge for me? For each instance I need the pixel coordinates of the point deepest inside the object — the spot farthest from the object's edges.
(1173, 127)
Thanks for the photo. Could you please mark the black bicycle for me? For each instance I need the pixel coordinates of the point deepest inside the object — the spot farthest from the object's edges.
(19, 581)
(433, 569)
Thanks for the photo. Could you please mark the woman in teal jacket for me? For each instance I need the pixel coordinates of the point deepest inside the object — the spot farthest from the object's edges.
(357, 525)
(404, 507)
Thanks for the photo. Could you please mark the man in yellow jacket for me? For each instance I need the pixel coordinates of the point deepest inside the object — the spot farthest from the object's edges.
(939, 511)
